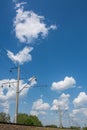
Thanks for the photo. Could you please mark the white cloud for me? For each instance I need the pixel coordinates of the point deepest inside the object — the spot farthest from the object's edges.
(81, 100)
(4, 107)
(40, 105)
(18, 5)
(22, 56)
(68, 82)
(80, 111)
(52, 27)
(42, 113)
(8, 94)
(79, 116)
(62, 102)
(79, 87)
(15, 1)
(29, 25)
(33, 112)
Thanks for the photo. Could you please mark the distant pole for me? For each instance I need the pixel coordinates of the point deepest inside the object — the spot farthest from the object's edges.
(17, 96)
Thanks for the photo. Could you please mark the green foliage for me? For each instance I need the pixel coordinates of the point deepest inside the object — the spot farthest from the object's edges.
(74, 127)
(22, 118)
(4, 117)
(85, 128)
(51, 126)
(33, 120)
(28, 120)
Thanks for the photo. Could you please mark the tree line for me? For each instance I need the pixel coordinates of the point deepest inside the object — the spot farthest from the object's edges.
(22, 119)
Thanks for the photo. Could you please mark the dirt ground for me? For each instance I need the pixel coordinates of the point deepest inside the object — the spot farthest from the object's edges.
(21, 127)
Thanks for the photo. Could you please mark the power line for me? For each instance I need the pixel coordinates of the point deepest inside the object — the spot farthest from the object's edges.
(5, 58)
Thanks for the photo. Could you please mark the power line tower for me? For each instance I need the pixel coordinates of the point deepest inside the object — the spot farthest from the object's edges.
(67, 118)
(60, 116)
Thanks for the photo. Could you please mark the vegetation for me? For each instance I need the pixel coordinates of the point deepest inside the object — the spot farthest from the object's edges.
(28, 120)
(22, 119)
(51, 126)
(4, 117)
(85, 128)
(74, 127)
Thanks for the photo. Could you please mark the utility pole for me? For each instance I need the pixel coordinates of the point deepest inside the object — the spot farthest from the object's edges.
(17, 89)
(17, 96)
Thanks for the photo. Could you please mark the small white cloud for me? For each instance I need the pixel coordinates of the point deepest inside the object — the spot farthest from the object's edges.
(15, 1)
(54, 27)
(40, 105)
(34, 113)
(79, 87)
(22, 56)
(29, 25)
(68, 82)
(81, 100)
(37, 113)
(42, 113)
(62, 102)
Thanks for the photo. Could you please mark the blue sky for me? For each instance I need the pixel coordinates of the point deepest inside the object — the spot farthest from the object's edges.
(48, 40)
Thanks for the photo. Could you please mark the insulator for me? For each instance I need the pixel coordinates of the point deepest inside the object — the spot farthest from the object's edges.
(9, 85)
(2, 86)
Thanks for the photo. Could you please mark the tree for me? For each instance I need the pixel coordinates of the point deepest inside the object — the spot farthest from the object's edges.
(28, 120)
(34, 121)
(4, 117)
(22, 118)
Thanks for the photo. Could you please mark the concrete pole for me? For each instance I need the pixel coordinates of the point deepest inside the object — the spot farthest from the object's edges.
(17, 96)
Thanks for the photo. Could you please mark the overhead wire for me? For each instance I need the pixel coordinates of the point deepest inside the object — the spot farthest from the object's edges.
(6, 62)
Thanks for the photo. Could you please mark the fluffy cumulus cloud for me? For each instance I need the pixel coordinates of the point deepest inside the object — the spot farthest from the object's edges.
(80, 108)
(79, 116)
(81, 100)
(68, 82)
(62, 102)
(8, 91)
(22, 56)
(39, 107)
(29, 25)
